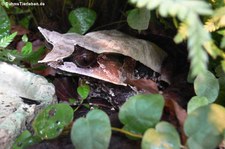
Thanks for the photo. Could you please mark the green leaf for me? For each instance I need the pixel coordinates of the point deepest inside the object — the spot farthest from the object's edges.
(141, 112)
(196, 102)
(25, 140)
(92, 132)
(198, 36)
(178, 7)
(190, 78)
(207, 86)
(72, 100)
(81, 20)
(187, 12)
(4, 23)
(138, 18)
(27, 49)
(8, 55)
(4, 3)
(6, 40)
(25, 38)
(205, 126)
(164, 136)
(83, 91)
(163, 8)
(50, 122)
(33, 56)
(150, 4)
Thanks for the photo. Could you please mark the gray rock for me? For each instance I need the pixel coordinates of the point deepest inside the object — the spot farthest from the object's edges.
(15, 115)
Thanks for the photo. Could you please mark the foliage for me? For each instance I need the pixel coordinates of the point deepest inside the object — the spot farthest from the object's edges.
(4, 23)
(208, 86)
(26, 55)
(141, 112)
(27, 49)
(25, 140)
(141, 116)
(48, 124)
(163, 136)
(6, 40)
(3, 3)
(83, 91)
(203, 124)
(196, 102)
(138, 18)
(81, 20)
(188, 12)
(51, 121)
(91, 132)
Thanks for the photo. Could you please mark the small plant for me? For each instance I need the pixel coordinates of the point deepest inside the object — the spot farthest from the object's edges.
(48, 124)
(199, 39)
(51, 121)
(81, 20)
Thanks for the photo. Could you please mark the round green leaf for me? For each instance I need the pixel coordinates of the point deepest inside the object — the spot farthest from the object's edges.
(4, 23)
(83, 91)
(207, 86)
(197, 102)
(25, 139)
(138, 18)
(92, 132)
(81, 20)
(50, 122)
(205, 126)
(164, 136)
(141, 112)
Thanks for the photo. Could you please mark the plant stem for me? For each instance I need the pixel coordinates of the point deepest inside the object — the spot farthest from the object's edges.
(127, 132)
(81, 102)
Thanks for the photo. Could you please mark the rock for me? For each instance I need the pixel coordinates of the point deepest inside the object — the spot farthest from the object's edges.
(16, 115)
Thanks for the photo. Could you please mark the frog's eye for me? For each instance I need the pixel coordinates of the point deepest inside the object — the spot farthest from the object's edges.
(83, 57)
(162, 85)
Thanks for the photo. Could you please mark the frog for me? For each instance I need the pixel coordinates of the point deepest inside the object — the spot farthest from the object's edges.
(83, 58)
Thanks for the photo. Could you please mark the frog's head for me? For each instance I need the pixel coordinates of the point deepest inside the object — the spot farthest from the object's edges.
(51, 37)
